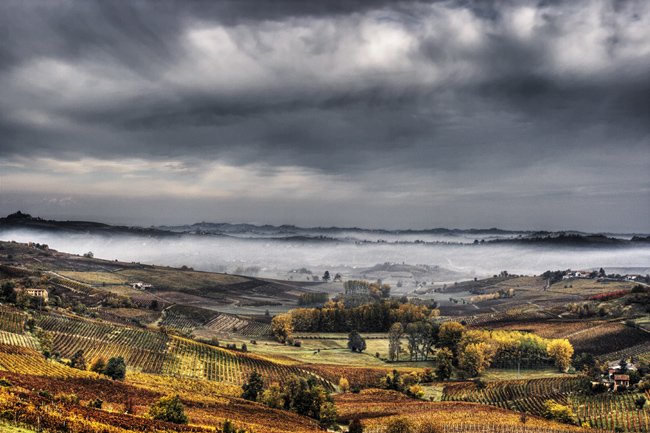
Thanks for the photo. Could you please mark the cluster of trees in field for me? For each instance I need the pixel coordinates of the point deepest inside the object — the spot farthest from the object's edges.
(473, 351)
(334, 316)
(476, 350)
(303, 396)
(310, 298)
(376, 290)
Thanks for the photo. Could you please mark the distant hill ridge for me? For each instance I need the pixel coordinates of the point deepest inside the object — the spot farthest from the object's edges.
(331, 234)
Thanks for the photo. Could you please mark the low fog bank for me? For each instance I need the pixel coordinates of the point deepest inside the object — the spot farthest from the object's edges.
(276, 259)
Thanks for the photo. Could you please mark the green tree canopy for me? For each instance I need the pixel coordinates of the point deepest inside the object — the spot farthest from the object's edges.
(169, 408)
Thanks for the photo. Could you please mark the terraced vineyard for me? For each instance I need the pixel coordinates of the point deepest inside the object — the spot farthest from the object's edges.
(520, 313)
(189, 358)
(227, 323)
(142, 350)
(146, 351)
(12, 321)
(500, 428)
(632, 351)
(607, 337)
(520, 395)
(75, 286)
(20, 340)
(181, 322)
(25, 360)
(256, 329)
(376, 407)
(606, 411)
(612, 412)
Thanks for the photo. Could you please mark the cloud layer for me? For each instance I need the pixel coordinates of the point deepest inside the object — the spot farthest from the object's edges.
(526, 114)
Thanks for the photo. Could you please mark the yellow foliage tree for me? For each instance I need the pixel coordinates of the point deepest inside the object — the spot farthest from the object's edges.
(561, 351)
(475, 358)
(344, 385)
(282, 327)
(450, 334)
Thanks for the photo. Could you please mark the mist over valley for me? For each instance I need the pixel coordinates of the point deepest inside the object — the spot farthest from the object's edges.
(411, 257)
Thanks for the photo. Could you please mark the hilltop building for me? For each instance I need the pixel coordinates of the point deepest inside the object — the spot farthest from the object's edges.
(38, 293)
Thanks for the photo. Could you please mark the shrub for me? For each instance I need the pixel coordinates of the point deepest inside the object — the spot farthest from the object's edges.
(400, 425)
(428, 376)
(98, 365)
(328, 415)
(356, 342)
(168, 409)
(5, 382)
(129, 406)
(415, 391)
(559, 412)
(229, 427)
(598, 388)
(444, 359)
(78, 361)
(355, 426)
(273, 397)
(344, 385)
(45, 394)
(392, 381)
(115, 368)
(68, 398)
(253, 387)
(96, 403)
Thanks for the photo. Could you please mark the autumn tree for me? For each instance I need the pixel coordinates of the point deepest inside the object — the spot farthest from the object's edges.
(344, 385)
(253, 387)
(98, 364)
(444, 360)
(328, 415)
(45, 341)
(78, 361)
(392, 381)
(449, 336)
(356, 342)
(115, 368)
(305, 396)
(475, 358)
(421, 337)
(170, 409)
(561, 351)
(394, 341)
(273, 396)
(559, 412)
(282, 327)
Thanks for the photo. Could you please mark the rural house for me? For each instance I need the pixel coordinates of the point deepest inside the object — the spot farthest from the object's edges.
(38, 293)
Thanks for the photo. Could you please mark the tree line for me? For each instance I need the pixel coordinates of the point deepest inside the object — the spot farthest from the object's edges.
(334, 316)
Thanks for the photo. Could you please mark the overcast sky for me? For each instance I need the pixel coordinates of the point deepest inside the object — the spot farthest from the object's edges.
(405, 114)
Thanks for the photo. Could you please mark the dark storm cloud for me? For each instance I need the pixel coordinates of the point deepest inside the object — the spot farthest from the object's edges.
(385, 95)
